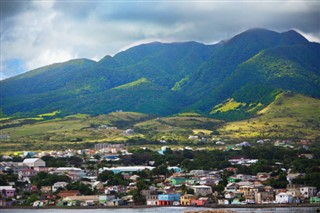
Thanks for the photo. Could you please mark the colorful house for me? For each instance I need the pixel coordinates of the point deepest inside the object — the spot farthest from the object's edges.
(178, 180)
(199, 202)
(7, 191)
(168, 199)
(185, 199)
(314, 199)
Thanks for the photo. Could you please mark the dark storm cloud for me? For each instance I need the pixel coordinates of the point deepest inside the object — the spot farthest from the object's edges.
(10, 8)
(43, 32)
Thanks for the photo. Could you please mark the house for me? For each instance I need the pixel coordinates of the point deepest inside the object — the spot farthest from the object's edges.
(134, 177)
(7, 191)
(148, 192)
(128, 169)
(177, 180)
(264, 197)
(115, 202)
(292, 176)
(16, 167)
(115, 188)
(73, 172)
(103, 199)
(25, 175)
(85, 200)
(34, 162)
(308, 156)
(202, 190)
(108, 147)
(198, 172)
(97, 185)
(175, 169)
(46, 189)
(284, 198)
(193, 137)
(152, 200)
(231, 187)
(315, 199)
(223, 201)
(185, 199)
(168, 199)
(58, 185)
(129, 132)
(295, 192)
(68, 193)
(231, 169)
(263, 176)
(308, 192)
(208, 181)
(247, 191)
(200, 202)
(229, 195)
(242, 177)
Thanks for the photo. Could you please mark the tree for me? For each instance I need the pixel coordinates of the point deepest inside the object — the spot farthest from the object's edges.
(190, 191)
(46, 179)
(137, 196)
(32, 198)
(111, 178)
(83, 188)
(219, 188)
(160, 170)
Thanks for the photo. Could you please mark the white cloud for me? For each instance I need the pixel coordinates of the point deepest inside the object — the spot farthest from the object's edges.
(45, 32)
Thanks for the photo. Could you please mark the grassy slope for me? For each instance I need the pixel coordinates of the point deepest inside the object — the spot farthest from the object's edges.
(176, 128)
(289, 116)
(68, 131)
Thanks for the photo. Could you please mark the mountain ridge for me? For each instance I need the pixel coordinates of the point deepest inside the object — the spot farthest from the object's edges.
(181, 77)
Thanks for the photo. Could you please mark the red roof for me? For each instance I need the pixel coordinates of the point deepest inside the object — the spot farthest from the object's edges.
(68, 193)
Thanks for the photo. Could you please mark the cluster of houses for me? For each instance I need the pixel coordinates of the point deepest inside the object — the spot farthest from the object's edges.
(196, 187)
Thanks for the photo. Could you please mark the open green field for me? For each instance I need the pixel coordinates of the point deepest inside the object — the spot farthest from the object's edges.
(289, 116)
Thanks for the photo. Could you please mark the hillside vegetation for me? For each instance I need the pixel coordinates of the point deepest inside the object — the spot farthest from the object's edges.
(289, 116)
(230, 80)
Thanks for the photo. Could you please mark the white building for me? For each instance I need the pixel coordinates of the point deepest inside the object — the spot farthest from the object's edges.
(73, 172)
(128, 169)
(284, 198)
(308, 192)
(34, 162)
(202, 190)
(58, 185)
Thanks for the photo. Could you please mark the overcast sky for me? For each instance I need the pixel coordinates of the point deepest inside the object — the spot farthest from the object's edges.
(37, 33)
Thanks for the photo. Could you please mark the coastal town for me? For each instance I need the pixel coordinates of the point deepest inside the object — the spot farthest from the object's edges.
(112, 175)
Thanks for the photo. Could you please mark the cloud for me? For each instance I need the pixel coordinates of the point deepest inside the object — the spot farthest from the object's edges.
(43, 32)
(13, 7)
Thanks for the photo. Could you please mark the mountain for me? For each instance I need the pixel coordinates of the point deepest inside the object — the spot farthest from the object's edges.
(230, 80)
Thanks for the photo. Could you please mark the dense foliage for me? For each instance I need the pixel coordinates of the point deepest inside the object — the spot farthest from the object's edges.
(166, 79)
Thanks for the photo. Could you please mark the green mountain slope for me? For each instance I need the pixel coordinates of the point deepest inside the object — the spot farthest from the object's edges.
(266, 74)
(288, 116)
(156, 78)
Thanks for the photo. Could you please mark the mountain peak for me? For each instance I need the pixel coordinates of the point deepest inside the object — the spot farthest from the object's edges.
(294, 37)
(254, 33)
(261, 35)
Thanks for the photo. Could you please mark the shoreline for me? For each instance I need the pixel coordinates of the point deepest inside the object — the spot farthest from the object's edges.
(210, 206)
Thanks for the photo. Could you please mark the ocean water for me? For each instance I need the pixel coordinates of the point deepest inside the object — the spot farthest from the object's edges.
(162, 210)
